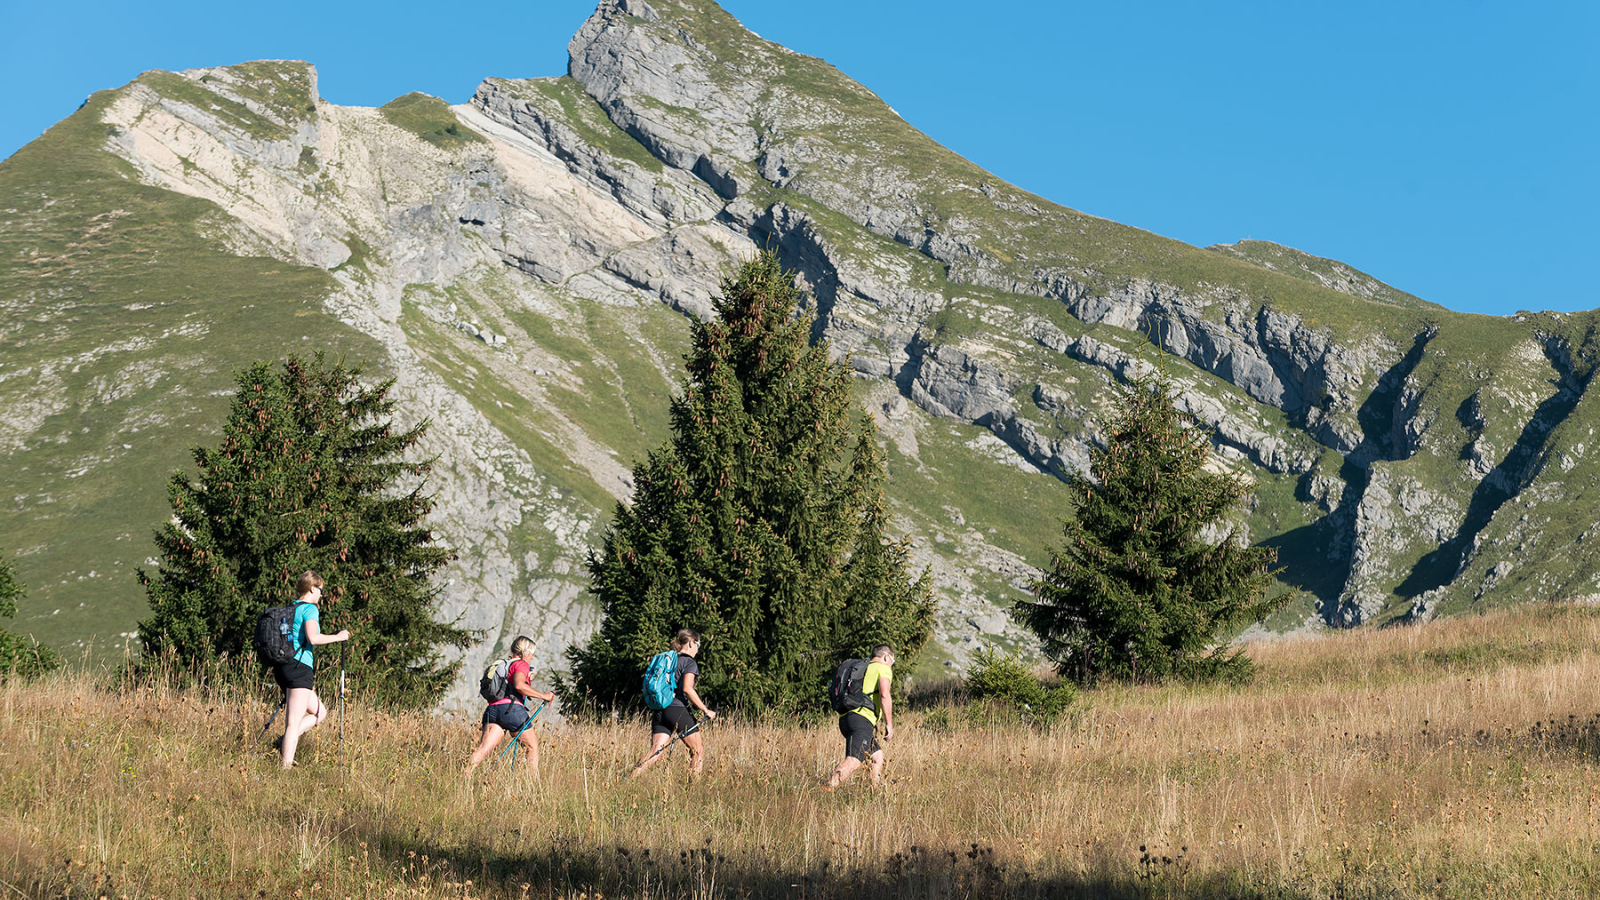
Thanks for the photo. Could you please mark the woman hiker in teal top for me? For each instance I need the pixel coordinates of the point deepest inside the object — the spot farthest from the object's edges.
(304, 708)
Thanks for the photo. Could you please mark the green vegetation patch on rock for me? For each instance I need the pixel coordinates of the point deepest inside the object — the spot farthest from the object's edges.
(284, 89)
(430, 119)
(565, 100)
(1318, 270)
(194, 92)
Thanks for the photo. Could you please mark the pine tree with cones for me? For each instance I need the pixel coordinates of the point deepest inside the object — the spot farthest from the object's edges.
(760, 523)
(310, 474)
(1136, 591)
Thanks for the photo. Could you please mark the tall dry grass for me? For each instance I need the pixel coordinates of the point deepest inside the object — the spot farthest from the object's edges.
(1452, 760)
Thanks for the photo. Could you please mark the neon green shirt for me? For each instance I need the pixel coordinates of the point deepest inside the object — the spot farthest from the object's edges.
(869, 686)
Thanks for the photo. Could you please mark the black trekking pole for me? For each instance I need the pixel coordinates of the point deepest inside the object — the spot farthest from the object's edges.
(675, 738)
(342, 645)
(273, 718)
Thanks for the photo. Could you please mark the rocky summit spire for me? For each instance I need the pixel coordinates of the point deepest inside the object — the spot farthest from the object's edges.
(662, 80)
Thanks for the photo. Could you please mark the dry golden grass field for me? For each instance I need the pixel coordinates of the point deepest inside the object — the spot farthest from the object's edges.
(1455, 759)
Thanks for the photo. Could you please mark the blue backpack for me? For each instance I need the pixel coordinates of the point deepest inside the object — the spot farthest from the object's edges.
(661, 679)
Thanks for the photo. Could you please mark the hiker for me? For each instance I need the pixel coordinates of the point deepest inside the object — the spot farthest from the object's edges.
(303, 708)
(859, 725)
(675, 718)
(509, 715)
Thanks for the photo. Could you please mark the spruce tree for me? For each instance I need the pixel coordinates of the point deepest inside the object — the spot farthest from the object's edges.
(310, 474)
(760, 522)
(20, 656)
(1135, 590)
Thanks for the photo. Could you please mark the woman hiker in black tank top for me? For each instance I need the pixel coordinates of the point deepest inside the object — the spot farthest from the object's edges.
(676, 718)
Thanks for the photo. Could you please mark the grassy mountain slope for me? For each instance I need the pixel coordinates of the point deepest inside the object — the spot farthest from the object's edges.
(123, 321)
(1317, 270)
(1441, 423)
(601, 370)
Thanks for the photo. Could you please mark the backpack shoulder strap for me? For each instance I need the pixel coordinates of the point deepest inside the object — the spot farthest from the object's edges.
(295, 633)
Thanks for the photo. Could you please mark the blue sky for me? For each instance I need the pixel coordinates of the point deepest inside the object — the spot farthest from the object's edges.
(1447, 148)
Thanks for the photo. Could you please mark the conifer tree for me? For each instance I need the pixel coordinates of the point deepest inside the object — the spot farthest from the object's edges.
(20, 656)
(1135, 590)
(760, 522)
(310, 474)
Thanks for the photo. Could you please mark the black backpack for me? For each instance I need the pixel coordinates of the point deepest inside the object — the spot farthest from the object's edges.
(495, 685)
(273, 639)
(844, 692)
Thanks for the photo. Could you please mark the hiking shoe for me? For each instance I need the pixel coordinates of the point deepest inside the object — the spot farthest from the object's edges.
(277, 743)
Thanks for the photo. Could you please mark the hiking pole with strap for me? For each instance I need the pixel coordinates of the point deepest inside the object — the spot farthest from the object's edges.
(273, 718)
(675, 738)
(516, 739)
(342, 645)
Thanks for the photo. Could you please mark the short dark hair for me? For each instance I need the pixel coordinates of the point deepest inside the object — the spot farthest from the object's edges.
(883, 650)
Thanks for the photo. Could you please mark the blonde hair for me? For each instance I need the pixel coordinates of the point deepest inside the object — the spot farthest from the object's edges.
(307, 581)
(685, 637)
(521, 644)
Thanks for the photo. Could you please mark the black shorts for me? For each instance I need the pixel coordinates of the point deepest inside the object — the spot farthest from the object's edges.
(671, 720)
(860, 738)
(292, 674)
(510, 716)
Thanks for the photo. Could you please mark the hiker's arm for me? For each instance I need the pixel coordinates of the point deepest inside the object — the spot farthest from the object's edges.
(694, 698)
(523, 685)
(316, 638)
(886, 709)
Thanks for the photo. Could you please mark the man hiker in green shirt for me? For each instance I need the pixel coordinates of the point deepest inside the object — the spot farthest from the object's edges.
(859, 724)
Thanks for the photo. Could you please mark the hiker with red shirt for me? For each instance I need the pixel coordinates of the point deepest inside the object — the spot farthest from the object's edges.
(508, 716)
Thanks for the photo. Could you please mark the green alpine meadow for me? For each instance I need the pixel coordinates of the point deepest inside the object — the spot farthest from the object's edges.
(529, 272)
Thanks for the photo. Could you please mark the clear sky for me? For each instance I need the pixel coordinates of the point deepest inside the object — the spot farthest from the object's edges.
(1448, 148)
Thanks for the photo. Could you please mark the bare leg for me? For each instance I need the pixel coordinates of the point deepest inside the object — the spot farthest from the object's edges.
(530, 743)
(842, 774)
(303, 710)
(697, 756)
(877, 768)
(486, 745)
(657, 741)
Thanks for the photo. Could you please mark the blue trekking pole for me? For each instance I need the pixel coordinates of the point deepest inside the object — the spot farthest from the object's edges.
(516, 740)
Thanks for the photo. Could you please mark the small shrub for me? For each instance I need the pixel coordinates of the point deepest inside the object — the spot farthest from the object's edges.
(999, 676)
(20, 655)
(23, 657)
